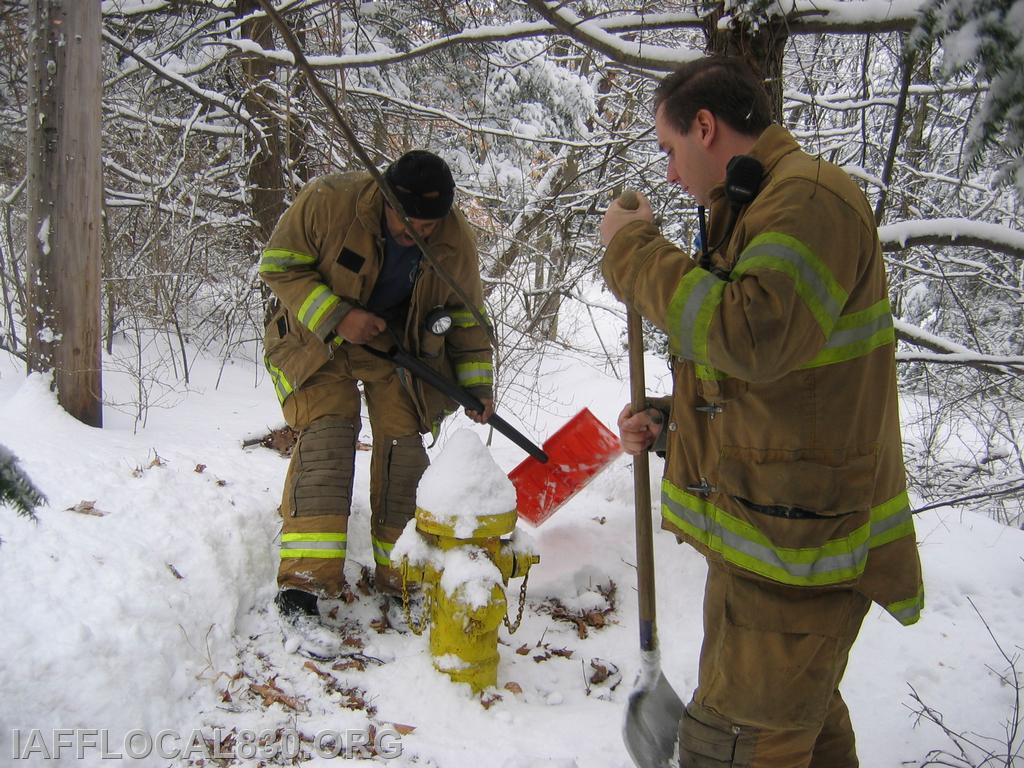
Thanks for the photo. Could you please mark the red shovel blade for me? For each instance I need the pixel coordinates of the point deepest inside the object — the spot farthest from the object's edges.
(576, 454)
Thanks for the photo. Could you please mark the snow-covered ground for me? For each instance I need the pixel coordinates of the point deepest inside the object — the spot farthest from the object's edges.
(148, 610)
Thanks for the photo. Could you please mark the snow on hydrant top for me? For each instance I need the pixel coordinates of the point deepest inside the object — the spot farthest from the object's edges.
(464, 480)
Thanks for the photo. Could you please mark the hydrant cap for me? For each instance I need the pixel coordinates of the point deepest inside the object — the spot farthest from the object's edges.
(466, 488)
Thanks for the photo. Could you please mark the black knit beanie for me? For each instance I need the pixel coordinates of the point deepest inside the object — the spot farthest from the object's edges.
(423, 184)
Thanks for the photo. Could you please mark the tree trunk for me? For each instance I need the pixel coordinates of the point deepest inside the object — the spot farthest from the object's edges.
(266, 167)
(762, 49)
(65, 194)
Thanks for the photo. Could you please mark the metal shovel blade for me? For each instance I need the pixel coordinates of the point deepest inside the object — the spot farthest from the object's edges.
(653, 712)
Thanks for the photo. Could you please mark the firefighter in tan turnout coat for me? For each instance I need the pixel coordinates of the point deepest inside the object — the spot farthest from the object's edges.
(346, 274)
(784, 464)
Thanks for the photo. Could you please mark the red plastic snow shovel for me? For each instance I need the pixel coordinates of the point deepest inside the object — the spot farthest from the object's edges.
(576, 454)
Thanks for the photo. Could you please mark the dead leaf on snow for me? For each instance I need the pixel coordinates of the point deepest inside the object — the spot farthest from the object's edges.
(513, 686)
(87, 508)
(593, 618)
(271, 694)
(605, 673)
(281, 440)
(317, 671)
(354, 662)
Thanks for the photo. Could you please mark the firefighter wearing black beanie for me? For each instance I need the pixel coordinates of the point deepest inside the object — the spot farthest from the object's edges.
(346, 274)
(423, 184)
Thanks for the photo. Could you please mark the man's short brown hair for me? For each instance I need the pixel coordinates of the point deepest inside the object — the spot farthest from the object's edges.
(724, 85)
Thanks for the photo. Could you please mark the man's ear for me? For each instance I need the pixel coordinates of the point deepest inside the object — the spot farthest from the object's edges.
(706, 126)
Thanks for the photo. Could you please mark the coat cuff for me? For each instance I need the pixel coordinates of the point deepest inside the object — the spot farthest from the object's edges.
(327, 330)
(481, 393)
(664, 405)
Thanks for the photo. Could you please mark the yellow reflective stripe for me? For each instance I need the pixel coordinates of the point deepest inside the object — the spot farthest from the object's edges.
(381, 551)
(743, 544)
(320, 554)
(813, 280)
(690, 312)
(908, 611)
(707, 373)
(319, 302)
(857, 334)
(891, 520)
(335, 537)
(281, 260)
(477, 374)
(282, 387)
(314, 545)
(463, 318)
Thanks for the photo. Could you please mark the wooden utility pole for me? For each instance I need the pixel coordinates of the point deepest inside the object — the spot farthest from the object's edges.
(65, 191)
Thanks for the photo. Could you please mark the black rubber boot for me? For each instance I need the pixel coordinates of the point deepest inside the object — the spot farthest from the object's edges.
(295, 602)
(303, 630)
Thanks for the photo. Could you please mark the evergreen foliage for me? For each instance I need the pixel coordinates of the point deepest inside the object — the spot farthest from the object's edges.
(986, 36)
(16, 489)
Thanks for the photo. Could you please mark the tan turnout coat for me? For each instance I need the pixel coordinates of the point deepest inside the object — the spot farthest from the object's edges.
(784, 457)
(323, 259)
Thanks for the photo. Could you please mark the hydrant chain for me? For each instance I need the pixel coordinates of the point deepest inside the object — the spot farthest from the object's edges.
(416, 627)
(522, 604)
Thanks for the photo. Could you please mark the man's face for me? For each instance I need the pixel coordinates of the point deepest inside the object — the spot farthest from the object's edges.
(689, 162)
(423, 227)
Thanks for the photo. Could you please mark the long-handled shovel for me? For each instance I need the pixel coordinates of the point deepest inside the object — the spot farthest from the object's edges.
(421, 370)
(654, 710)
(549, 476)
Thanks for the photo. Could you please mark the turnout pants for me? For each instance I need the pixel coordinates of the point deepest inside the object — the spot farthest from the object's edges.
(317, 497)
(768, 683)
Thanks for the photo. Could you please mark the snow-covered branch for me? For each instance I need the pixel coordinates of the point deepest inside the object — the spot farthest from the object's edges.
(204, 95)
(952, 231)
(942, 350)
(480, 126)
(591, 35)
(601, 34)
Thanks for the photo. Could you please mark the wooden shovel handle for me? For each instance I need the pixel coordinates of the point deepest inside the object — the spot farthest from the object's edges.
(642, 490)
(641, 471)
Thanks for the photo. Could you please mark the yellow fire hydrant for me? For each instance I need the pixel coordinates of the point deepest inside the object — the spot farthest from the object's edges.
(454, 549)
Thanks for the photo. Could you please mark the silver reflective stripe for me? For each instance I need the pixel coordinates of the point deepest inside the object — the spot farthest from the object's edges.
(813, 280)
(382, 552)
(684, 308)
(843, 336)
(308, 544)
(754, 556)
(807, 274)
(880, 526)
(313, 308)
(474, 374)
(280, 260)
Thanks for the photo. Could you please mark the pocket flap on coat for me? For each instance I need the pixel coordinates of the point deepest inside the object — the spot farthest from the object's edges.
(298, 354)
(827, 483)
